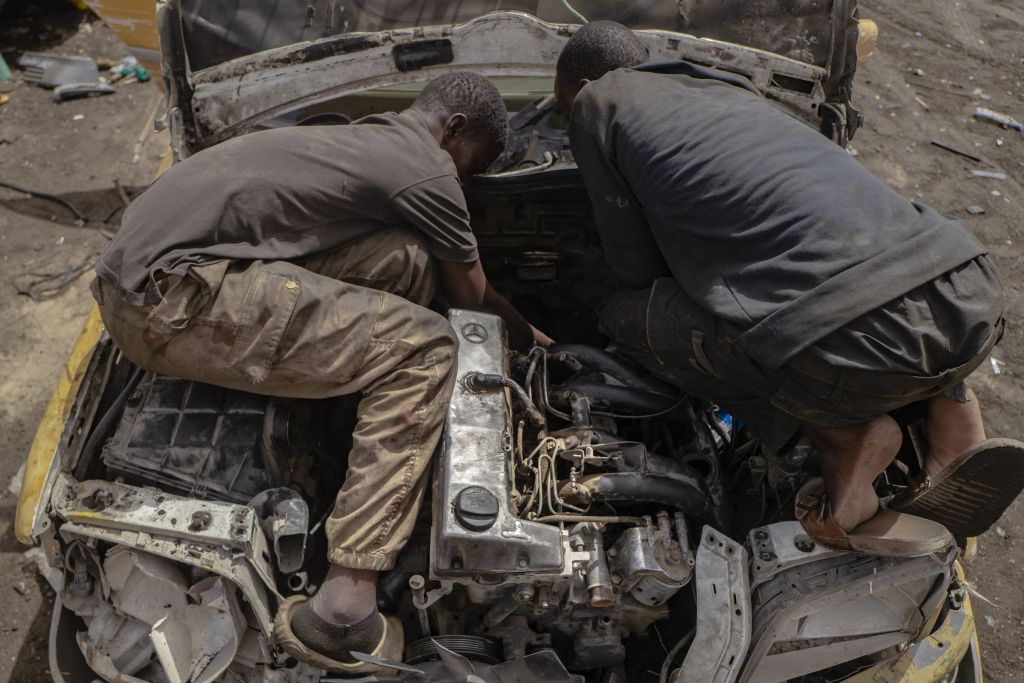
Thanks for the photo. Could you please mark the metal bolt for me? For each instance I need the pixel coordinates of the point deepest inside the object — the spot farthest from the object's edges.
(201, 520)
(522, 563)
(803, 544)
(760, 535)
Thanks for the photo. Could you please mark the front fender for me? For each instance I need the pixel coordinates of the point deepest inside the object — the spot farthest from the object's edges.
(935, 659)
(54, 429)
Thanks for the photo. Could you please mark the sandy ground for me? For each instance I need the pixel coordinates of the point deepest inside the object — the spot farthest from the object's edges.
(935, 62)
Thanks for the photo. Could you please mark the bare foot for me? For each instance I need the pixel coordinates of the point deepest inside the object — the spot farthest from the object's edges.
(851, 458)
(952, 428)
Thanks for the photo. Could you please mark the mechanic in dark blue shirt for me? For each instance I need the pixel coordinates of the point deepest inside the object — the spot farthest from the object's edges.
(767, 270)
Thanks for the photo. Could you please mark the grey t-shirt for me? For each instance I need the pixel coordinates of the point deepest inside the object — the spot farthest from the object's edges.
(287, 194)
(762, 221)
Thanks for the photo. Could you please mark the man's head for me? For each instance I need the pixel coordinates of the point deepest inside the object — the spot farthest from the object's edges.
(468, 118)
(595, 49)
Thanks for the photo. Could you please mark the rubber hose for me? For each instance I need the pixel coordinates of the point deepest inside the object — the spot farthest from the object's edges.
(615, 398)
(602, 361)
(685, 494)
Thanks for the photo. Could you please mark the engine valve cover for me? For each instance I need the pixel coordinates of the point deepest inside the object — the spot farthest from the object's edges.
(474, 529)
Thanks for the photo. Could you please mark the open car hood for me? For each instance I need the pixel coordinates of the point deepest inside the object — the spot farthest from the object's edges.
(232, 67)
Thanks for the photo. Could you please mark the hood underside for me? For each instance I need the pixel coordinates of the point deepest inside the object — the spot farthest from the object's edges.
(216, 32)
(800, 59)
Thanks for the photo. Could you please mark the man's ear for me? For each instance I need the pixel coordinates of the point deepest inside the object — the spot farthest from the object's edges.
(455, 125)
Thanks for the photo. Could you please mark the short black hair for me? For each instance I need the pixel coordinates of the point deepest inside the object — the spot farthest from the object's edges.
(464, 92)
(595, 49)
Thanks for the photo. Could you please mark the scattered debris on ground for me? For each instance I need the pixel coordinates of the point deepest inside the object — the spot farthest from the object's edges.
(954, 150)
(1003, 120)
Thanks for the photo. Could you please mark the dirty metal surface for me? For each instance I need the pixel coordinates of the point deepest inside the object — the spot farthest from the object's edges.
(474, 453)
(723, 612)
(233, 97)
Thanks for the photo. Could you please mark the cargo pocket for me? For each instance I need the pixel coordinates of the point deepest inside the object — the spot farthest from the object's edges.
(251, 312)
(180, 298)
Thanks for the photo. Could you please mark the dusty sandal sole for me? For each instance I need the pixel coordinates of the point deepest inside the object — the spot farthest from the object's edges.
(390, 647)
(970, 496)
(887, 534)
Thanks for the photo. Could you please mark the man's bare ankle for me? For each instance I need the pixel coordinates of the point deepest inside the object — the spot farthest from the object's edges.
(851, 514)
(952, 428)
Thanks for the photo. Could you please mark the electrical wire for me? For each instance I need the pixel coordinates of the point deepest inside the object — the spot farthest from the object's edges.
(666, 666)
(644, 417)
(574, 11)
(52, 285)
(49, 197)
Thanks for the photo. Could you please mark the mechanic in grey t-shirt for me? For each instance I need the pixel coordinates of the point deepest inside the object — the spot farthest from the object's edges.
(767, 270)
(299, 263)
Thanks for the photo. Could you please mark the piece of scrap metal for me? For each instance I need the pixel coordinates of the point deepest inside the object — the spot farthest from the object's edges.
(50, 71)
(954, 150)
(1004, 120)
(724, 627)
(75, 91)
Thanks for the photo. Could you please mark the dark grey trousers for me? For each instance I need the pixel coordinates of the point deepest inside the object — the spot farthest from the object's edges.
(672, 337)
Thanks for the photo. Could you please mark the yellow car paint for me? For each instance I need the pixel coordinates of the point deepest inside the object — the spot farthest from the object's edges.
(934, 658)
(51, 428)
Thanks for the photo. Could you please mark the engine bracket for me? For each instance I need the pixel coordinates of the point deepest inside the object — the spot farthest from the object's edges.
(723, 612)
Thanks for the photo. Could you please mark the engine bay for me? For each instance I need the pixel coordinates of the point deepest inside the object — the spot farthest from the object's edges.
(587, 522)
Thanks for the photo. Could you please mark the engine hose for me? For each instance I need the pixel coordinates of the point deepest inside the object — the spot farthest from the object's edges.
(612, 397)
(638, 459)
(602, 361)
(687, 494)
(481, 382)
(112, 414)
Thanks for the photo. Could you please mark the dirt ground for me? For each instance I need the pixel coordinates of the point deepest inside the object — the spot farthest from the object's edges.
(935, 62)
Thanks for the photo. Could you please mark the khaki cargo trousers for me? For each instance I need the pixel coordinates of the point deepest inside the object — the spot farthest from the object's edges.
(352, 320)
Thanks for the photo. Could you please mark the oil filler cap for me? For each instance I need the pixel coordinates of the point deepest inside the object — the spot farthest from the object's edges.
(476, 508)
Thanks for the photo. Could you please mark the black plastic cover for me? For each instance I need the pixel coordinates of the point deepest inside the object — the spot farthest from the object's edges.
(476, 508)
(191, 438)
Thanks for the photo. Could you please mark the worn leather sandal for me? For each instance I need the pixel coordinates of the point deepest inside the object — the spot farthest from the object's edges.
(390, 647)
(887, 534)
(973, 492)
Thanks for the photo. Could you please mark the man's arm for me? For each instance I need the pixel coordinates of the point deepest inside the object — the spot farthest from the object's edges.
(437, 208)
(466, 286)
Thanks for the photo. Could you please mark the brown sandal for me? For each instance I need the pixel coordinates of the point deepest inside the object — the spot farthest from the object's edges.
(973, 492)
(887, 534)
(390, 647)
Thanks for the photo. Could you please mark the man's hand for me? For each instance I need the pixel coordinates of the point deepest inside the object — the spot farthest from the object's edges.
(466, 286)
